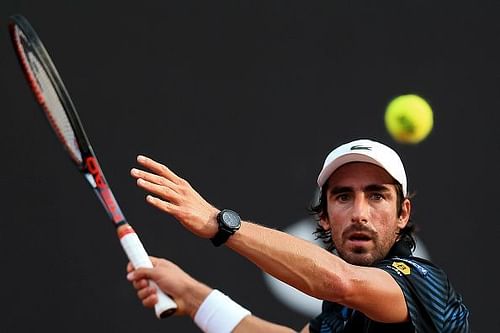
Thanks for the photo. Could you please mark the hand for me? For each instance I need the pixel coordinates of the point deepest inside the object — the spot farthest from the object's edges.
(175, 196)
(187, 292)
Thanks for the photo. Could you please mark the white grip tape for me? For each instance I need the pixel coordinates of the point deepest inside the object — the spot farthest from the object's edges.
(139, 258)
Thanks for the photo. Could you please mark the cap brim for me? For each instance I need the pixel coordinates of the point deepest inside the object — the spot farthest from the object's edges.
(329, 169)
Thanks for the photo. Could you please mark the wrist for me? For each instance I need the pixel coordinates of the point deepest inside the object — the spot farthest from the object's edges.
(198, 294)
(228, 223)
(219, 314)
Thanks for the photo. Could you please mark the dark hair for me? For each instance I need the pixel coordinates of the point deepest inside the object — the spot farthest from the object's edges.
(319, 210)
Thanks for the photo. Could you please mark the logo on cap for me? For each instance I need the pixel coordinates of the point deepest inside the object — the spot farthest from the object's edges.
(360, 147)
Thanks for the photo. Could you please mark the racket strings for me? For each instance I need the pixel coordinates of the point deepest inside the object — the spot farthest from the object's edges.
(46, 95)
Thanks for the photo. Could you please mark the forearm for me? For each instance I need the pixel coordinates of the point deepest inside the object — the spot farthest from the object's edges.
(294, 261)
(253, 324)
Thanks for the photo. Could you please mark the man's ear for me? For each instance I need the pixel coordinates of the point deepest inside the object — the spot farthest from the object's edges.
(324, 224)
(405, 213)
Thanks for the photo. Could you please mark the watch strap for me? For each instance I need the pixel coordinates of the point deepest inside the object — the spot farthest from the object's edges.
(221, 237)
(224, 231)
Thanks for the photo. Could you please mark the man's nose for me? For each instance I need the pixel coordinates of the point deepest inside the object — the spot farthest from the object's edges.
(360, 209)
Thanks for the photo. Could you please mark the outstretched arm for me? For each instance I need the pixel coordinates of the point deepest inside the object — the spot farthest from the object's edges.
(318, 273)
(297, 262)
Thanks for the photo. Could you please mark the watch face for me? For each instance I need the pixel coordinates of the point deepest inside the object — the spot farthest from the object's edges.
(231, 219)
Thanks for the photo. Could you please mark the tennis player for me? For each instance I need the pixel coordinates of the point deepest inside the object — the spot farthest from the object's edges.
(367, 278)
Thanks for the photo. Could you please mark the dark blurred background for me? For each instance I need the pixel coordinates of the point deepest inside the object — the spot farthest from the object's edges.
(244, 99)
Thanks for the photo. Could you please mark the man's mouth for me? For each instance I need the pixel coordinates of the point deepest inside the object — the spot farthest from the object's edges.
(359, 238)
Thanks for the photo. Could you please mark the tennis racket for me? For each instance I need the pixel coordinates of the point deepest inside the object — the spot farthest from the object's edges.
(51, 94)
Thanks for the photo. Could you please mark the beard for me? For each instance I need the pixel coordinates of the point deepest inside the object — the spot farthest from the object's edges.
(366, 253)
(361, 256)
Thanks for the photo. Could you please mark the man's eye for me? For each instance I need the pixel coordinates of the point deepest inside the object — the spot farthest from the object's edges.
(342, 197)
(376, 196)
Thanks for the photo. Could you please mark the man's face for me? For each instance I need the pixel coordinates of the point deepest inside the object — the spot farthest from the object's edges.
(362, 212)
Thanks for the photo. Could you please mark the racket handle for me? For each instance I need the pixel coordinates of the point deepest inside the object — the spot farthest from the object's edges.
(137, 255)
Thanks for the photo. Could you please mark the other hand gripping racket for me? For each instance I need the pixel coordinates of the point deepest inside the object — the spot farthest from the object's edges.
(52, 96)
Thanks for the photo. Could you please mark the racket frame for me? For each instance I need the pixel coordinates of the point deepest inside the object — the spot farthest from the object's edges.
(89, 165)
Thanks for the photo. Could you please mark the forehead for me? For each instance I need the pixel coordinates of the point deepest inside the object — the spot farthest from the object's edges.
(359, 173)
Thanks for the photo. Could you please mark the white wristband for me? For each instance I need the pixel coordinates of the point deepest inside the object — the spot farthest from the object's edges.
(219, 314)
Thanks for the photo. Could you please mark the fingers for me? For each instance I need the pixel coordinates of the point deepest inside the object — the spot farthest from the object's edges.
(161, 182)
(146, 292)
(140, 278)
(163, 205)
(157, 168)
(140, 284)
(151, 177)
(162, 191)
(140, 273)
(150, 301)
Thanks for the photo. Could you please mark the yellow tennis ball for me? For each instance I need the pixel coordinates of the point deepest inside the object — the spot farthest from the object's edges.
(409, 118)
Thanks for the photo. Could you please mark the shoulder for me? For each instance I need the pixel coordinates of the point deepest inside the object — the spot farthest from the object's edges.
(412, 267)
(430, 297)
(420, 280)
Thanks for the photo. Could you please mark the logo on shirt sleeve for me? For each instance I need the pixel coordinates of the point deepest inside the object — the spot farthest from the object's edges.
(402, 267)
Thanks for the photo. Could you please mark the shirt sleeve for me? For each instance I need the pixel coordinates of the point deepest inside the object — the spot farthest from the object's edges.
(432, 304)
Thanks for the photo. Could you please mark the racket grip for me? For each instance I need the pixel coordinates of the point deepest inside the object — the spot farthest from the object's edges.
(137, 255)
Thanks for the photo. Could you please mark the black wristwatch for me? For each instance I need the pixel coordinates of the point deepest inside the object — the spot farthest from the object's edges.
(229, 222)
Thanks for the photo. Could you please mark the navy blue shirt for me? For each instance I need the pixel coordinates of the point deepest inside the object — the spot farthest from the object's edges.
(433, 304)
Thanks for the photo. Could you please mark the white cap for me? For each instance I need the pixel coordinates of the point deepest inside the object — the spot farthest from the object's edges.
(368, 151)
